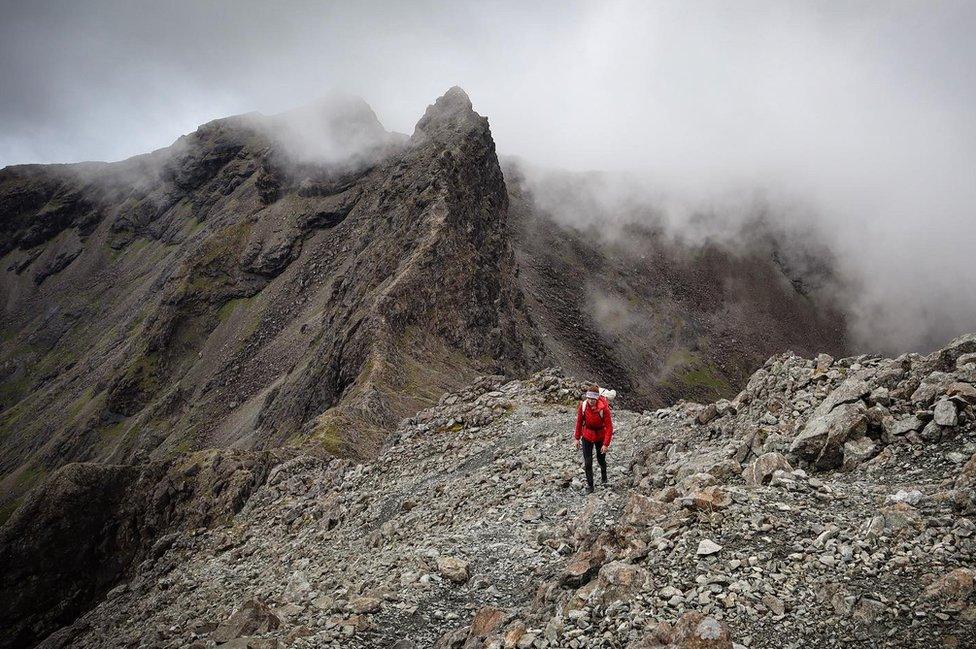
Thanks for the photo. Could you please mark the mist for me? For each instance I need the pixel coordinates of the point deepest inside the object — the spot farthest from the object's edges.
(846, 124)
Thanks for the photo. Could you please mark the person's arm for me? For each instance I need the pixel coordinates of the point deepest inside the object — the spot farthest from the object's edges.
(579, 423)
(607, 427)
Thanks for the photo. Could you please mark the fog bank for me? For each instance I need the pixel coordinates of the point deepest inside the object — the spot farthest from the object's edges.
(853, 121)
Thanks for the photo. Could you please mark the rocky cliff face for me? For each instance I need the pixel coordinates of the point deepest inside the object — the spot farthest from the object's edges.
(657, 318)
(235, 290)
(721, 526)
(89, 523)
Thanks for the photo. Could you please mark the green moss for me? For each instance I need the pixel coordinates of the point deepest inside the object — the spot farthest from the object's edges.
(229, 307)
(54, 361)
(704, 377)
(192, 226)
(78, 404)
(8, 508)
(13, 391)
(328, 432)
(28, 477)
(10, 419)
(111, 432)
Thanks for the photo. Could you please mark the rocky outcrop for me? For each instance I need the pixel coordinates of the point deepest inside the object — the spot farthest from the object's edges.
(303, 279)
(87, 525)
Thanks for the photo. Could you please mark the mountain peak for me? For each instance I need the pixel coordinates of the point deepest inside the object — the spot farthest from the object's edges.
(452, 112)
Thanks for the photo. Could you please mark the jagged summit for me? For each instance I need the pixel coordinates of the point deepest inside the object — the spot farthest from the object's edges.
(450, 114)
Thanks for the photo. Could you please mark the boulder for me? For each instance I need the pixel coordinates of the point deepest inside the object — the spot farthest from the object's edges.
(453, 569)
(857, 451)
(761, 470)
(851, 390)
(251, 618)
(707, 414)
(945, 413)
(957, 584)
(364, 604)
(962, 391)
(905, 425)
(487, 620)
(619, 581)
(948, 355)
(641, 510)
(931, 386)
(821, 440)
(695, 630)
(707, 547)
(581, 567)
(707, 499)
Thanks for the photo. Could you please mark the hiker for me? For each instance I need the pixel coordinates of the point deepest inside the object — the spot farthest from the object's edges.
(594, 427)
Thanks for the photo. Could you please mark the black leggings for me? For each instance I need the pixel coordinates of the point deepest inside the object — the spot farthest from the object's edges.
(588, 461)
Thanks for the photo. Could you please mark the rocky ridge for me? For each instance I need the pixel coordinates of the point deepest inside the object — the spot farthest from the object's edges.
(308, 279)
(830, 503)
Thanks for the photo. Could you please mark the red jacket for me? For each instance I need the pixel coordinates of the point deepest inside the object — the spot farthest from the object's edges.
(594, 423)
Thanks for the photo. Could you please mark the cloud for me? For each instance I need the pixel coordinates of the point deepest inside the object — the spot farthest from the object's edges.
(851, 119)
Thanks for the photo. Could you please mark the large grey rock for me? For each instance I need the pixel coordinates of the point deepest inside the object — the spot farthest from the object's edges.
(453, 569)
(965, 344)
(251, 618)
(852, 389)
(945, 413)
(761, 470)
(906, 425)
(857, 451)
(822, 439)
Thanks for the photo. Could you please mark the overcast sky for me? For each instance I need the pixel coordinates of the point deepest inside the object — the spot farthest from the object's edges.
(862, 111)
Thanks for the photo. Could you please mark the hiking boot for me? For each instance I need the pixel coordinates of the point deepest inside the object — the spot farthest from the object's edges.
(589, 489)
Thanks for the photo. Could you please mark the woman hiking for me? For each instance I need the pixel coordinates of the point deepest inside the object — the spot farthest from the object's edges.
(594, 426)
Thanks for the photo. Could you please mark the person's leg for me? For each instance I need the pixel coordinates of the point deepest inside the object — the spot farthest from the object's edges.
(602, 459)
(588, 464)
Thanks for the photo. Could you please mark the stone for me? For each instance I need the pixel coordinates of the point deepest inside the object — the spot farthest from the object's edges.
(906, 425)
(901, 496)
(617, 581)
(453, 569)
(707, 499)
(707, 414)
(945, 413)
(641, 510)
(956, 584)
(487, 620)
(964, 344)
(824, 361)
(707, 547)
(774, 604)
(858, 451)
(581, 567)
(364, 604)
(823, 437)
(251, 618)
(760, 471)
(297, 588)
(695, 630)
(851, 390)
(965, 392)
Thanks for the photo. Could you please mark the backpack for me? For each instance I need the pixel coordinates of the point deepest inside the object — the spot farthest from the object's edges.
(609, 395)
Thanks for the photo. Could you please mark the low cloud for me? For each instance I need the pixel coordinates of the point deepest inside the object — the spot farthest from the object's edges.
(848, 123)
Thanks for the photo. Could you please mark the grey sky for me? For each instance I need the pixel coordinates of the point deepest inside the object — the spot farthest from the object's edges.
(863, 112)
